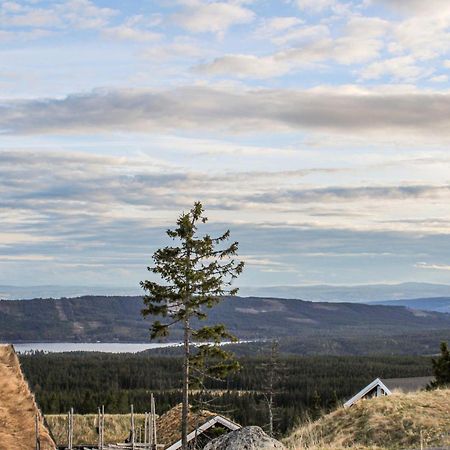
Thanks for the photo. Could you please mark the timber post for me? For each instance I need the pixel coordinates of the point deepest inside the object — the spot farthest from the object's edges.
(70, 429)
(36, 426)
(103, 428)
(145, 430)
(132, 427)
(153, 412)
(99, 429)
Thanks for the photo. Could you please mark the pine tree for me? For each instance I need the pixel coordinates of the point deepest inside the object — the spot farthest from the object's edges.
(441, 368)
(316, 404)
(195, 276)
(272, 375)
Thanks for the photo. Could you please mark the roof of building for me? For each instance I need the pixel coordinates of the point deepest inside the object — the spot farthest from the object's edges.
(376, 384)
(388, 385)
(169, 425)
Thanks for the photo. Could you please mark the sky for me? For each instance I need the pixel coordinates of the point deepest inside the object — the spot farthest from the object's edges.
(317, 131)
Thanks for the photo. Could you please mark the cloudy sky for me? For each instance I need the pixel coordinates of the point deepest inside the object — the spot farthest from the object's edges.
(316, 130)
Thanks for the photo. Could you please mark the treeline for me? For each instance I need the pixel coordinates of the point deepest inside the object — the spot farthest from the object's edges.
(306, 384)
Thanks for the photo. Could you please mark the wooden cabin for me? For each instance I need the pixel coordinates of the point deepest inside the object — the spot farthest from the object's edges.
(203, 426)
(379, 388)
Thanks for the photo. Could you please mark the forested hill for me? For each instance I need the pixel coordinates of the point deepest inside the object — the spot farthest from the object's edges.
(110, 319)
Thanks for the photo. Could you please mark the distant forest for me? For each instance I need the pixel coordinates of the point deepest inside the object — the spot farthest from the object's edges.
(307, 385)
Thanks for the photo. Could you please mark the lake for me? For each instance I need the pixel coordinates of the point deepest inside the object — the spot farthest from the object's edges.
(105, 347)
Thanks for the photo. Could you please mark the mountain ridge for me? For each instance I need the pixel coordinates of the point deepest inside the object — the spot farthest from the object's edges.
(321, 292)
(438, 304)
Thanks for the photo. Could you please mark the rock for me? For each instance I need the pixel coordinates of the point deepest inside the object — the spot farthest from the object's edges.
(247, 438)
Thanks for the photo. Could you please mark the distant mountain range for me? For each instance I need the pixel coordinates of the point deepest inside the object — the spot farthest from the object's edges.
(362, 293)
(8, 292)
(325, 327)
(438, 304)
(328, 293)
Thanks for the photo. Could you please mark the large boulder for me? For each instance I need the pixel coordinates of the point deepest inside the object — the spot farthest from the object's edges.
(247, 438)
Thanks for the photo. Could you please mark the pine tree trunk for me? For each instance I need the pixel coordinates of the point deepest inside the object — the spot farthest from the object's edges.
(185, 406)
(271, 413)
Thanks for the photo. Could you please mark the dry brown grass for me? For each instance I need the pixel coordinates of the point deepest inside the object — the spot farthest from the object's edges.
(17, 407)
(399, 421)
(117, 427)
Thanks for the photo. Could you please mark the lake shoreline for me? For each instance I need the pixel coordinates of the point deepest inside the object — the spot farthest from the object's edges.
(103, 347)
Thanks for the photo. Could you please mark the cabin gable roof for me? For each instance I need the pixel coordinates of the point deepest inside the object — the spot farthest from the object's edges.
(376, 385)
(169, 425)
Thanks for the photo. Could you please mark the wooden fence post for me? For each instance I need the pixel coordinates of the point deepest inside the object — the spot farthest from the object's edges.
(132, 427)
(145, 430)
(150, 430)
(70, 429)
(99, 428)
(153, 411)
(38, 438)
(103, 427)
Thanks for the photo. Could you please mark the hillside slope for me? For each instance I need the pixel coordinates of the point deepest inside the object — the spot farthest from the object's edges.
(302, 327)
(17, 407)
(395, 422)
(106, 319)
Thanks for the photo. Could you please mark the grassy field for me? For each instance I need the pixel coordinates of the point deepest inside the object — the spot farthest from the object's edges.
(388, 423)
(396, 422)
(117, 427)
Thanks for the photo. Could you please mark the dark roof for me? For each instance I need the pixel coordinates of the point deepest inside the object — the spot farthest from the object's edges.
(411, 384)
(168, 426)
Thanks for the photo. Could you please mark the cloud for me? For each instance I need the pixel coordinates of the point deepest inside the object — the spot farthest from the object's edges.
(11, 6)
(43, 186)
(415, 7)
(85, 14)
(216, 17)
(34, 18)
(360, 40)
(331, 194)
(280, 23)
(308, 33)
(77, 211)
(130, 33)
(352, 111)
(424, 265)
(76, 177)
(401, 68)
(28, 182)
(315, 6)
(135, 28)
(180, 48)
(423, 30)
(244, 66)
(439, 79)
(22, 36)
(354, 39)
(82, 14)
